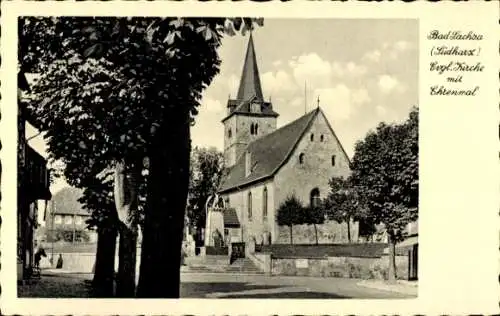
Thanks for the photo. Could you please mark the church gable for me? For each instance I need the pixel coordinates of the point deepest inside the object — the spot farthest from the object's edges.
(317, 157)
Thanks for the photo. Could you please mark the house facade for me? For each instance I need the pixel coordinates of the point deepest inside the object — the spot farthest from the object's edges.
(265, 165)
(32, 185)
(66, 219)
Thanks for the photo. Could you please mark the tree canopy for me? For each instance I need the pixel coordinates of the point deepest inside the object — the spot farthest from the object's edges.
(115, 91)
(385, 173)
(207, 165)
(342, 203)
(290, 212)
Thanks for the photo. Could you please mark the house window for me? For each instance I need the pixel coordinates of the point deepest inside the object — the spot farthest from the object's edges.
(312, 137)
(249, 206)
(301, 158)
(333, 160)
(226, 200)
(264, 204)
(248, 163)
(321, 138)
(314, 198)
(68, 220)
(78, 220)
(57, 219)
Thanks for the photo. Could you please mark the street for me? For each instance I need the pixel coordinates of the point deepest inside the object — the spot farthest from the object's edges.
(219, 285)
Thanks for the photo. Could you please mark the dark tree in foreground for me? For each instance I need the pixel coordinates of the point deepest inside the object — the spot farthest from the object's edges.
(385, 172)
(290, 212)
(117, 90)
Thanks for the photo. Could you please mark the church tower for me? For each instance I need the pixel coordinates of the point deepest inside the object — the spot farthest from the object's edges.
(248, 116)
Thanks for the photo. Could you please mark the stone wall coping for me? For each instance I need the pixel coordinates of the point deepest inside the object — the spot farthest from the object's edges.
(326, 257)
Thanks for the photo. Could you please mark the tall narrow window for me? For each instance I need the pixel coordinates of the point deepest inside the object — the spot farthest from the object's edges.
(333, 160)
(321, 138)
(312, 137)
(256, 128)
(249, 206)
(264, 204)
(314, 198)
(229, 133)
(251, 129)
(301, 158)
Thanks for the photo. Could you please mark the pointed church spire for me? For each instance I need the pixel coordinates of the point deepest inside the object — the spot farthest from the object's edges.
(250, 80)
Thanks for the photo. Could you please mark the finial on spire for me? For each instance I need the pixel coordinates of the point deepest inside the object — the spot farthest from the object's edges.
(318, 101)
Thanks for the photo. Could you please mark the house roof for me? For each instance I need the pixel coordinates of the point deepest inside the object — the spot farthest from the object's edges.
(65, 202)
(268, 153)
(231, 218)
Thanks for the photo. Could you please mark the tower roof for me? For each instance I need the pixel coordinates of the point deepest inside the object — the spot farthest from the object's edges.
(250, 80)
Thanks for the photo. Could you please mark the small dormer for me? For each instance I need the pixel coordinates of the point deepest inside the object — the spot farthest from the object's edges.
(248, 163)
(255, 106)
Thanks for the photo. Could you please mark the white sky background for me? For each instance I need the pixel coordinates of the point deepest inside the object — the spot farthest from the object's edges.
(364, 72)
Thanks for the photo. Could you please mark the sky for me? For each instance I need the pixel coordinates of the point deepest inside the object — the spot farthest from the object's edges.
(364, 71)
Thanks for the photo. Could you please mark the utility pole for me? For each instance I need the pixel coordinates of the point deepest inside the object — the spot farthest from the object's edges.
(53, 237)
(305, 97)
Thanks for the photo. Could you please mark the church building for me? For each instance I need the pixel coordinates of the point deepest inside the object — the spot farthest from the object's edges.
(266, 164)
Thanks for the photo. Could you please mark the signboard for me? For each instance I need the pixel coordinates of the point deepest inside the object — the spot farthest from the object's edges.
(301, 263)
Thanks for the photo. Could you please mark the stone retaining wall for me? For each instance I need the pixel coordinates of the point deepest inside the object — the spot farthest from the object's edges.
(79, 262)
(345, 267)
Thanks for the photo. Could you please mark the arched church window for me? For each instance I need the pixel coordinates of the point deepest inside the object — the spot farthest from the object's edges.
(333, 160)
(251, 129)
(249, 206)
(256, 128)
(314, 198)
(229, 133)
(264, 203)
(321, 138)
(301, 158)
(312, 137)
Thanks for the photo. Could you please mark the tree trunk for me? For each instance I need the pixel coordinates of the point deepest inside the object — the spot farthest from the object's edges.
(104, 263)
(166, 203)
(391, 277)
(291, 235)
(316, 233)
(348, 222)
(126, 200)
(127, 254)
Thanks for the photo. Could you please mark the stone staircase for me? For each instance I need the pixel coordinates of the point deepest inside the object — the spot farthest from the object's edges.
(220, 264)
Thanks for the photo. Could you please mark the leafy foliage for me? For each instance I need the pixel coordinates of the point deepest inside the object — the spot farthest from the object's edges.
(385, 173)
(106, 83)
(290, 212)
(109, 89)
(205, 175)
(342, 203)
(68, 235)
(313, 215)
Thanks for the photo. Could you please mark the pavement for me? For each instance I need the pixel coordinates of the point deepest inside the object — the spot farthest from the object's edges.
(60, 283)
(217, 285)
(404, 287)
